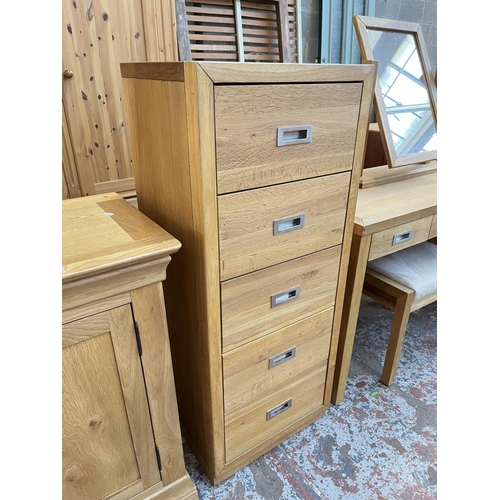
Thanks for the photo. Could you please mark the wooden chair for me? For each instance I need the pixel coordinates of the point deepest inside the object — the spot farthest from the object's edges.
(239, 30)
(403, 281)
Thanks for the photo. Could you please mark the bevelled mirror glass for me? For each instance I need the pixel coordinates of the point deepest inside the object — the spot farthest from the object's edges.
(405, 97)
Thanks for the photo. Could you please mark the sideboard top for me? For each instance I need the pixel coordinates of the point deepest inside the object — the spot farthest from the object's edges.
(104, 232)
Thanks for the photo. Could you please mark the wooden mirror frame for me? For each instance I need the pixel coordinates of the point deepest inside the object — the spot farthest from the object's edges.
(361, 25)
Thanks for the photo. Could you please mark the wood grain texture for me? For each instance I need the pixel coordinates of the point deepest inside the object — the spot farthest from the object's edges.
(268, 444)
(134, 392)
(382, 241)
(96, 307)
(360, 248)
(120, 186)
(388, 205)
(284, 73)
(105, 286)
(246, 370)
(149, 312)
(89, 327)
(433, 231)
(365, 107)
(378, 208)
(377, 176)
(131, 238)
(65, 189)
(94, 414)
(97, 36)
(133, 490)
(398, 298)
(246, 301)
(174, 138)
(247, 118)
(70, 173)
(159, 30)
(246, 238)
(106, 304)
(247, 426)
(188, 208)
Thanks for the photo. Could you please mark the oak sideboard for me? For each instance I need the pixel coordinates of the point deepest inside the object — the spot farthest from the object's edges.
(121, 437)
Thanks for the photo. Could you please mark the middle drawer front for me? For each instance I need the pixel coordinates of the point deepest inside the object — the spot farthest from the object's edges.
(269, 361)
(263, 227)
(264, 301)
(253, 423)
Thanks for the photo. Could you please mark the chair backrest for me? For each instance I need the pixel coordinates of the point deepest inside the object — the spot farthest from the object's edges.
(239, 30)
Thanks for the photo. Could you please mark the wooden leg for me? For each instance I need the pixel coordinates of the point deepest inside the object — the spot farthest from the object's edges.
(396, 338)
(354, 287)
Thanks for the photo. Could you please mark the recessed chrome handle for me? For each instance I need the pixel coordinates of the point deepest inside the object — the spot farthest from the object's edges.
(301, 134)
(402, 237)
(282, 357)
(285, 296)
(287, 224)
(278, 409)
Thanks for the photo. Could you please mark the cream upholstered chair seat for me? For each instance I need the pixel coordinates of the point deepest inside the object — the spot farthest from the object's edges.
(403, 281)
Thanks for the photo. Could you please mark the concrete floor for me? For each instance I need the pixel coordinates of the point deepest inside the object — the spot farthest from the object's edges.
(371, 446)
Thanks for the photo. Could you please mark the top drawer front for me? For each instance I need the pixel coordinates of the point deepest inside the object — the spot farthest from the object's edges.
(263, 227)
(247, 119)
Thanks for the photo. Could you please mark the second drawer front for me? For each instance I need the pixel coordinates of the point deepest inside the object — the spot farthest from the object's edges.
(398, 237)
(267, 362)
(264, 301)
(263, 227)
(250, 425)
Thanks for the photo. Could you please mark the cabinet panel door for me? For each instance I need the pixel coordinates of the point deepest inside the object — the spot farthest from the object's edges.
(108, 443)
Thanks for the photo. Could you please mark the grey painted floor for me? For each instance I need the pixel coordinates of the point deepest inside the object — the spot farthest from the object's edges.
(380, 443)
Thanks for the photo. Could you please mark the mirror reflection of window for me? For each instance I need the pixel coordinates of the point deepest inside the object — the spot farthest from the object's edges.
(404, 91)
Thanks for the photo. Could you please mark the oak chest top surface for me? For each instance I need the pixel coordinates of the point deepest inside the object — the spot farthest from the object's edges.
(104, 232)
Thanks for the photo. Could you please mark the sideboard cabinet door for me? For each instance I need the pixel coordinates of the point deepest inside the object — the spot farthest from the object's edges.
(108, 443)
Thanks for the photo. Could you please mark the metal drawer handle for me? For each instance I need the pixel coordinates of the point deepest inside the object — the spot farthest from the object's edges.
(402, 237)
(278, 409)
(285, 296)
(286, 224)
(287, 136)
(282, 357)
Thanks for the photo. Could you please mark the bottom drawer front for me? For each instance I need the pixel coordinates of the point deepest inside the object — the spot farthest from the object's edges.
(249, 425)
(269, 361)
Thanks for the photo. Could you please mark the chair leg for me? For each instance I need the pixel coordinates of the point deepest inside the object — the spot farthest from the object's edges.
(396, 338)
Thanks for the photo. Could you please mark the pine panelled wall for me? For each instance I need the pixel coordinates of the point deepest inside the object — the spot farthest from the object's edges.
(98, 35)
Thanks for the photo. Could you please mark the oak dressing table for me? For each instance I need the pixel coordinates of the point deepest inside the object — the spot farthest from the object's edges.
(389, 216)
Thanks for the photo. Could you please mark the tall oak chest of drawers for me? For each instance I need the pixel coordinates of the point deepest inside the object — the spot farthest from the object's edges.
(255, 169)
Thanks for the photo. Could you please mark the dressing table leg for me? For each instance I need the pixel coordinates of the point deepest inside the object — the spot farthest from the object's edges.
(354, 287)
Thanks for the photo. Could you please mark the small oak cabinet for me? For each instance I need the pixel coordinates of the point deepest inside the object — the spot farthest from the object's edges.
(120, 429)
